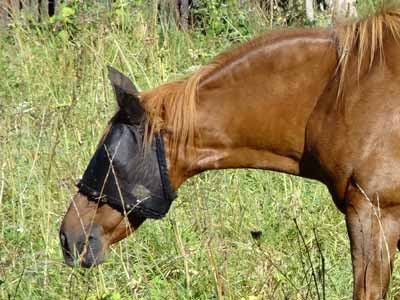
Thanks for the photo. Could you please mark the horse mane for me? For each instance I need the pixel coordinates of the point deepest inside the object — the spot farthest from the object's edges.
(172, 107)
(365, 39)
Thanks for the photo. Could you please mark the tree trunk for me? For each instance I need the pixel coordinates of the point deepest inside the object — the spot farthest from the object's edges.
(184, 13)
(43, 9)
(3, 16)
(344, 9)
(309, 10)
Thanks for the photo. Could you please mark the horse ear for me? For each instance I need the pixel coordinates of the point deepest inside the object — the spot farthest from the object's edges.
(127, 95)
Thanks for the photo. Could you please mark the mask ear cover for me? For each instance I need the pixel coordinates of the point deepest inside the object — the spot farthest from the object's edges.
(128, 178)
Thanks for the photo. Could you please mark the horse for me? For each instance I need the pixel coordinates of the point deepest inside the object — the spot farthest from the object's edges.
(323, 104)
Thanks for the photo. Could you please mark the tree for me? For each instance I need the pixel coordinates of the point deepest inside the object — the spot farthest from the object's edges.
(309, 10)
(184, 13)
(344, 9)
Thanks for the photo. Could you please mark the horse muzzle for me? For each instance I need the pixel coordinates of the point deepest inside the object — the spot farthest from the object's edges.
(85, 249)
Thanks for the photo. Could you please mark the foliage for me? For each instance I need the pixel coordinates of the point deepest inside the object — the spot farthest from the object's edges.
(289, 13)
(215, 17)
(369, 7)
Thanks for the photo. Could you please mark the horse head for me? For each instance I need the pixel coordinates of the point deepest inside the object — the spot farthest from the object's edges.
(124, 183)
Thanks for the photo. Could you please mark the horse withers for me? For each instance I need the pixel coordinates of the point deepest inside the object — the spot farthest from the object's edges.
(322, 104)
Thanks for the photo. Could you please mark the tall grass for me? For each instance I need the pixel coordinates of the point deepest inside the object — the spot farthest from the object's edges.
(236, 234)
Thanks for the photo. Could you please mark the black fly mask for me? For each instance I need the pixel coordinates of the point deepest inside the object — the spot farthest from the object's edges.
(123, 174)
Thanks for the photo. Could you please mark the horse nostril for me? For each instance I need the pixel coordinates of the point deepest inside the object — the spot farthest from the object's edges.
(64, 241)
(66, 250)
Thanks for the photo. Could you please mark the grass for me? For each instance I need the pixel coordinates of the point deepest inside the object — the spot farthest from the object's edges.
(55, 100)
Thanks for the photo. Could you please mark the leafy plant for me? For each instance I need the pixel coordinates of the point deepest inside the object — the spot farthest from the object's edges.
(215, 17)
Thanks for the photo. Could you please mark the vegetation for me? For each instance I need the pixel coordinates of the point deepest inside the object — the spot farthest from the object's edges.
(233, 234)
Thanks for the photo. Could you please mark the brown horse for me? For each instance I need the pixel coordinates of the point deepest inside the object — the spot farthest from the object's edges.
(322, 104)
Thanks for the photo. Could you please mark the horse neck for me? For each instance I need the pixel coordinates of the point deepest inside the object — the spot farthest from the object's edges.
(252, 112)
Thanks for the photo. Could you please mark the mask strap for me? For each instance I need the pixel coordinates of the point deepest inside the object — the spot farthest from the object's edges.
(169, 194)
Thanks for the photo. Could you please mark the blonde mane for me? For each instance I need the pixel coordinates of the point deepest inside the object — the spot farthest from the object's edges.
(364, 40)
(172, 107)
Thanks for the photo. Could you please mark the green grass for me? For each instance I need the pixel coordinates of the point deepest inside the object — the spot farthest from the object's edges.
(55, 100)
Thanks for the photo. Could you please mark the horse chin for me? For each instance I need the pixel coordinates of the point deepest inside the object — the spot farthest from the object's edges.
(94, 255)
(88, 260)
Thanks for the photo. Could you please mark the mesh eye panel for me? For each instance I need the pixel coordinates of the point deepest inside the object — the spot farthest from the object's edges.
(127, 178)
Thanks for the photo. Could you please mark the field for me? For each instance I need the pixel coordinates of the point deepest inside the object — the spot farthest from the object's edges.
(231, 234)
